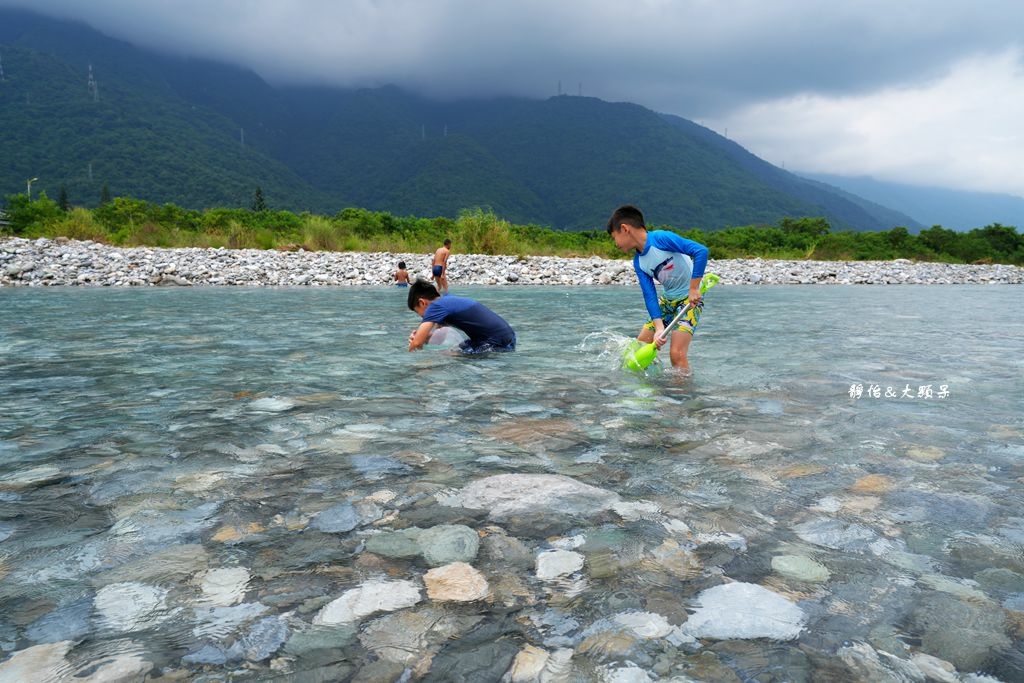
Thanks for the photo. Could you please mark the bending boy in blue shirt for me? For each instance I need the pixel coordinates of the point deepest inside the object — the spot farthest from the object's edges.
(675, 262)
(487, 331)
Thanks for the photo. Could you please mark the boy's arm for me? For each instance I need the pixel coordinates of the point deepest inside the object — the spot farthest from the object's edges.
(420, 336)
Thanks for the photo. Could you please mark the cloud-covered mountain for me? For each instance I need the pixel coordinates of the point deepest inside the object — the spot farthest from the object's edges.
(202, 134)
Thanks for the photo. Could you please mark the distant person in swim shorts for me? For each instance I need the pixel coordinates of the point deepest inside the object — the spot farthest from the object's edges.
(674, 262)
(487, 331)
(401, 275)
(440, 267)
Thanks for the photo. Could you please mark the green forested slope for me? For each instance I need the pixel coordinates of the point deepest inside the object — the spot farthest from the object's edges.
(171, 130)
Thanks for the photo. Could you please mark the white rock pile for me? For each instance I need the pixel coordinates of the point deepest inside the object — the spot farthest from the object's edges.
(63, 262)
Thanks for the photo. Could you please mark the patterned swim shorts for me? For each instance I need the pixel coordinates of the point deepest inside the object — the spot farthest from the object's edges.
(669, 308)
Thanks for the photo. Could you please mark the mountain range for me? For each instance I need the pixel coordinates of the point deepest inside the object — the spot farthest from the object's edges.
(80, 111)
(953, 209)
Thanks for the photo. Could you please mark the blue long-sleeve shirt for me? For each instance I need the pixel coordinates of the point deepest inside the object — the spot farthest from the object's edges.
(671, 260)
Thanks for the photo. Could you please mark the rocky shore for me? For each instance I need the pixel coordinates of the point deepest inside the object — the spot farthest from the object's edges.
(63, 262)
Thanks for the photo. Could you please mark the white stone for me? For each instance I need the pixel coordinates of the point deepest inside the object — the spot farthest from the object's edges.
(120, 668)
(636, 510)
(628, 673)
(935, 668)
(130, 606)
(744, 610)
(224, 586)
(644, 624)
(272, 404)
(555, 563)
(503, 495)
(370, 597)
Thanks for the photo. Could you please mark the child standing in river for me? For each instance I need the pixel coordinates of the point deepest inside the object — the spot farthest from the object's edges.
(677, 264)
(439, 269)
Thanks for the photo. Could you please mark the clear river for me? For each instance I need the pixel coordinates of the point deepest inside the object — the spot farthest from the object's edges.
(220, 484)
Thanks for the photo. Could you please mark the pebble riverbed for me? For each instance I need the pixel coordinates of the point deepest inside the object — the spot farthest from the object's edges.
(63, 262)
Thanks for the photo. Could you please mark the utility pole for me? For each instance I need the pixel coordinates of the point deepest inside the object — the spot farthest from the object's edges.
(93, 88)
(28, 189)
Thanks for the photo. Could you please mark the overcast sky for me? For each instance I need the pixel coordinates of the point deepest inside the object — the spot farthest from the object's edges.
(928, 92)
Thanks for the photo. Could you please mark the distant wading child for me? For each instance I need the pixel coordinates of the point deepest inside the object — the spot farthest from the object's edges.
(401, 275)
(487, 331)
(439, 270)
(675, 262)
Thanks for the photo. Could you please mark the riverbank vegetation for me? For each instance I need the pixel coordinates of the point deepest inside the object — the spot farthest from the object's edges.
(124, 221)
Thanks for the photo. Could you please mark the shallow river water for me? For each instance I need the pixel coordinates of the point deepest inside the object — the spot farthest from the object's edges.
(262, 484)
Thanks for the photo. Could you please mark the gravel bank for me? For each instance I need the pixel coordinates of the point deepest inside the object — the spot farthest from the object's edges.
(62, 262)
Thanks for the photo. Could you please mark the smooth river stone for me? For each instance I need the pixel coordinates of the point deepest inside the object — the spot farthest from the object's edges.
(456, 582)
(402, 543)
(836, 534)
(370, 597)
(800, 568)
(555, 563)
(744, 610)
(505, 495)
(447, 543)
(130, 606)
(336, 519)
(873, 483)
(32, 477)
(67, 623)
(36, 663)
(225, 586)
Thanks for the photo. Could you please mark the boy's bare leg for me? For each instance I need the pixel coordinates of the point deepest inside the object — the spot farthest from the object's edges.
(646, 335)
(680, 348)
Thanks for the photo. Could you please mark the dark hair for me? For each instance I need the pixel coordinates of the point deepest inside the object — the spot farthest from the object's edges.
(628, 214)
(401, 264)
(421, 289)
(447, 243)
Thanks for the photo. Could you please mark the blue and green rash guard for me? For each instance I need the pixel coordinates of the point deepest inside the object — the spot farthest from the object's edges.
(487, 331)
(671, 260)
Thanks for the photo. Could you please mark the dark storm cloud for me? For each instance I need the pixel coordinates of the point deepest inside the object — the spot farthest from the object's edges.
(695, 58)
(858, 87)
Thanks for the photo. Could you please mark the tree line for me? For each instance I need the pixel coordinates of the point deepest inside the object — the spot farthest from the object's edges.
(126, 221)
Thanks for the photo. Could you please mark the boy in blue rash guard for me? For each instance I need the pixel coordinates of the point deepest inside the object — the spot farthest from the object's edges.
(675, 262)
(487, 331)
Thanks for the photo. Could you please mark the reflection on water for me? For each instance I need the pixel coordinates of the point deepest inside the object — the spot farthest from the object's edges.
(260, 483)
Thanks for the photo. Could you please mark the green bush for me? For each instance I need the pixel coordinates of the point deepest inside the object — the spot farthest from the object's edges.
(125, 220)
(27, 215)
(322, 234)
(80, 224)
